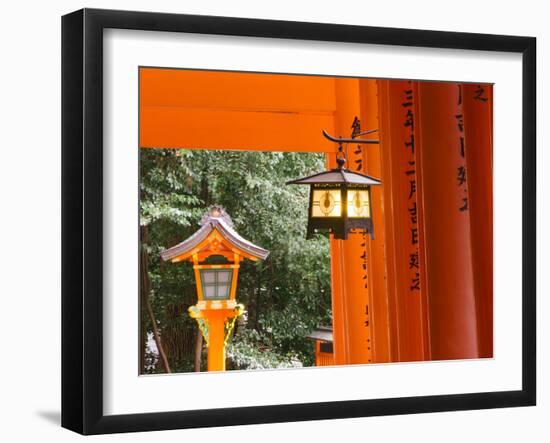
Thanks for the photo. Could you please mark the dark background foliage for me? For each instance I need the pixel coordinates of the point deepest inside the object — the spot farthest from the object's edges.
(286, 296)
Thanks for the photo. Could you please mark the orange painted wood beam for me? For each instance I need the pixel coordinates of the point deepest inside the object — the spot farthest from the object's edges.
(236, 90)
(228, 110)
(202, 128)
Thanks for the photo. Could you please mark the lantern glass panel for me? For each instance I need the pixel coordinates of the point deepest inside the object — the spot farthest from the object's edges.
(223, 291)
(224, 276)
(326, 203)
(208, 277)
(358, 203)
(216, 283)
(209, 292)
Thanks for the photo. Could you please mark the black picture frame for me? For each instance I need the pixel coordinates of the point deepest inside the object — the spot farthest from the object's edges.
(82, 216)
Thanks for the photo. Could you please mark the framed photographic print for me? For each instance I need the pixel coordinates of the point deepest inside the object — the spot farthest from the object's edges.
(270, 221)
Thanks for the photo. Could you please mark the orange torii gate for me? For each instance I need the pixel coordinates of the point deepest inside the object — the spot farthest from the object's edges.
(410, 294)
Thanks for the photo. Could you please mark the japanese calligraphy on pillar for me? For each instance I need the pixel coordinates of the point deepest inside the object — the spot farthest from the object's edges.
(461, 169)
(479, 94)
(359, 166)
(410, 173)
(358, 151)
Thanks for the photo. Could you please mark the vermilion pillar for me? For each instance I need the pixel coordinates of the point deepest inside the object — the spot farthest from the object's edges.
(350, 259)
(371, 165)
(402, 211)
(478, 128)
(439, 138)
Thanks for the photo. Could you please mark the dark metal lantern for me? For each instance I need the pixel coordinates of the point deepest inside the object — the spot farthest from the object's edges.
(339, 199)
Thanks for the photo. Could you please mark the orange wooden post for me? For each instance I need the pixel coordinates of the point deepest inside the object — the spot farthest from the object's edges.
(423, 269)
(371, 165)
(439, 139)
(216, 338)
(478, 128)
(338, 290)
(350, 258)
(402, 212)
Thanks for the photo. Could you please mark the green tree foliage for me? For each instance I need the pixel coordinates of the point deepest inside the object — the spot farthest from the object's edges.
(286, 296)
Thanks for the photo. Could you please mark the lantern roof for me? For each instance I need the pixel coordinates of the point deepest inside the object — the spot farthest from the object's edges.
(336, 176)
(216, 235)
(322, 333)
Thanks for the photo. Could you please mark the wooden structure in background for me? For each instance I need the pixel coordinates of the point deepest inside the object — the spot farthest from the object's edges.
(323, 343)
(422, 289)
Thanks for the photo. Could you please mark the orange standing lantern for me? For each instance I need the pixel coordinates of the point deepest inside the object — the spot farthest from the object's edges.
(216, 251)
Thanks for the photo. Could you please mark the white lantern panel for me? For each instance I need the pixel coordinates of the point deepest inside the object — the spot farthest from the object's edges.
(224, 276)
(210, 292)
(216, 283)
(326, 203)
(223, 291)
(358, 204)
(208, 276)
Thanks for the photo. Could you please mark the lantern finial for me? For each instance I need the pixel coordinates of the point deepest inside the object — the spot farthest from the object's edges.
(340, 157)
(216, 211)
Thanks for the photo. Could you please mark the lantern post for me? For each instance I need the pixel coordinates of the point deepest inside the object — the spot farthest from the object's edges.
(216, 251)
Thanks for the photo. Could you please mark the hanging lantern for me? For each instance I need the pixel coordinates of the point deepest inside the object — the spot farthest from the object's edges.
(339, 199)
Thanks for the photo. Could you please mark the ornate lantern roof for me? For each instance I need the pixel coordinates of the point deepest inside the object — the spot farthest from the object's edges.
(216, 236)
(335, 176)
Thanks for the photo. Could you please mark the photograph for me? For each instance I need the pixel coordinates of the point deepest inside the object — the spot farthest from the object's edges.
(292, 221)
